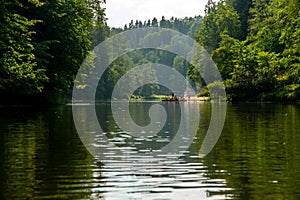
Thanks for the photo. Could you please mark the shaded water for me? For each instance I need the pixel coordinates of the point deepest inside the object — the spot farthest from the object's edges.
(256, 157)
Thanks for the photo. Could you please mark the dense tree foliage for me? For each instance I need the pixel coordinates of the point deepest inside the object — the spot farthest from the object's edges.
(256, 51)
(42, 45)
(19, 71)
(255, 44)
(242, 8)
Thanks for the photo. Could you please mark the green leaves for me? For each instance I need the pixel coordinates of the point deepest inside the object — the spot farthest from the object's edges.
(220, 18)
(44, 43)
(264, 65)
(19, 72)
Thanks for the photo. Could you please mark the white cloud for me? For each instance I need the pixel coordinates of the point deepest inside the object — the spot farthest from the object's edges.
(121, 12)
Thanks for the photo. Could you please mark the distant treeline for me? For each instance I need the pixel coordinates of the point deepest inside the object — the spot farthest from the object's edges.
(187, 25)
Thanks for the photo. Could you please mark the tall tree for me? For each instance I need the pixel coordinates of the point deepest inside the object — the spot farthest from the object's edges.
(154, 22)
(219, 18)
(19, 69)
(243, 9)
(65, 27)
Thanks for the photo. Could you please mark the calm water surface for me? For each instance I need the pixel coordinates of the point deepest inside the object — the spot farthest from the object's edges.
(256, 157)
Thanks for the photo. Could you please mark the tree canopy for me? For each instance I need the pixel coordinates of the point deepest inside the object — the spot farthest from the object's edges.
(43, 44)
(255, 45)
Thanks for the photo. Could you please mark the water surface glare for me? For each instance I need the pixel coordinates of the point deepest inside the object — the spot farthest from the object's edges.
(256, 157)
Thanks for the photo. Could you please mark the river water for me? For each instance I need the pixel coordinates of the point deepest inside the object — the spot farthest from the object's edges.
(256, 157)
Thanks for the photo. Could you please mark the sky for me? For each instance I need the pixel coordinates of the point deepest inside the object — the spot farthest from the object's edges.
(121, 12)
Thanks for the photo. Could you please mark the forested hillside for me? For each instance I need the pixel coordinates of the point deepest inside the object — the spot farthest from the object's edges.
(254, 43)
(256, 46)
(119, 67)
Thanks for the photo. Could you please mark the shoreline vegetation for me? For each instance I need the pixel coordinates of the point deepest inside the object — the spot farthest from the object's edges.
(165, 97)
(254, 43)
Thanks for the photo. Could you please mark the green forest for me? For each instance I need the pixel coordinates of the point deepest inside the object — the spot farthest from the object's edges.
(254, 43)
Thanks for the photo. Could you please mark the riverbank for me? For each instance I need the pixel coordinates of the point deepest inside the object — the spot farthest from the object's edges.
(21, 100)
(162, 97)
